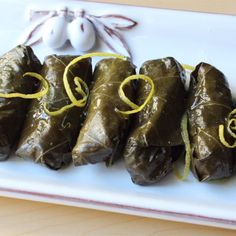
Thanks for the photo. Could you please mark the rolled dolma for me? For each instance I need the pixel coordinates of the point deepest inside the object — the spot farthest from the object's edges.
(155, 140)
(103, 132)
(13, 65)
(209, 104)
(49, 139)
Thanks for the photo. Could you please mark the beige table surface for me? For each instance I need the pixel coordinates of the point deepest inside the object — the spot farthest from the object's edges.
(18, 217)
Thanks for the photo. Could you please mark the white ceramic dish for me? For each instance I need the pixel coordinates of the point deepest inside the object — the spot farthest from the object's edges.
(190, 38)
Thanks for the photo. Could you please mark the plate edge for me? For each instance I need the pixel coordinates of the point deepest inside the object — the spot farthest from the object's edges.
(118, 208)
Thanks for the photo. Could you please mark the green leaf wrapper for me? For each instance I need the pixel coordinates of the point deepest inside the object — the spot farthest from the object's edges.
(13, 65)
(209, 104)
(104, 130)
(155, 140)
(49, 139)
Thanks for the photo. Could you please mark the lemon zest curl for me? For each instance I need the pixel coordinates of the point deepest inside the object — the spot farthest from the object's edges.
(127, 101)
(33, 95)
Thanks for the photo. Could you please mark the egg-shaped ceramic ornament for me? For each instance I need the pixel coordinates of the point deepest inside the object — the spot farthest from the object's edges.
(54, 33)
(81, 34)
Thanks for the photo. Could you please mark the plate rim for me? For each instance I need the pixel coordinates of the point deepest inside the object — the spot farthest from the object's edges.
(118, 208)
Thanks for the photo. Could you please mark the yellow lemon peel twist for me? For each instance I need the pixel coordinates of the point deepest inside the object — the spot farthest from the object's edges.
(78, 81)
(127, 101)
(39, 94)
(188, 67)
(76, 60)
(231, 129)
(185, 137)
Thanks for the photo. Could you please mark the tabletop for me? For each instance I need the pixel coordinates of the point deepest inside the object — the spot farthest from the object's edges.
(20, 217)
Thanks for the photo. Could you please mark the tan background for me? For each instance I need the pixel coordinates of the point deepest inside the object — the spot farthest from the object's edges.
(18, 217)
(215, 6)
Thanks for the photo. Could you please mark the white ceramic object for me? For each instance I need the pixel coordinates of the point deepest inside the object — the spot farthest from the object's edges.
(54, 27)
(81, 34)
(54, 32)
(187, 36)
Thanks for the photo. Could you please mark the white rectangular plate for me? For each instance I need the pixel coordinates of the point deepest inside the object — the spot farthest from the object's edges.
(187, 36)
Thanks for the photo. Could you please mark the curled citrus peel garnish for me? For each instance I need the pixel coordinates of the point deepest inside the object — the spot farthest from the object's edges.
(30, 96)
(76, 60)
(58, 112)
(188, 67)
(78, 81)
(185, 137)
(84, 93)
(231, 129)
(127, 101)
(81, 90)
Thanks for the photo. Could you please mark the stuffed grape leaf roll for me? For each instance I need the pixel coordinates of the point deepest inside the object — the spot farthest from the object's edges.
(49, 139)
(209, 104)
(13, 65)
(155, 140)
(101, 138)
